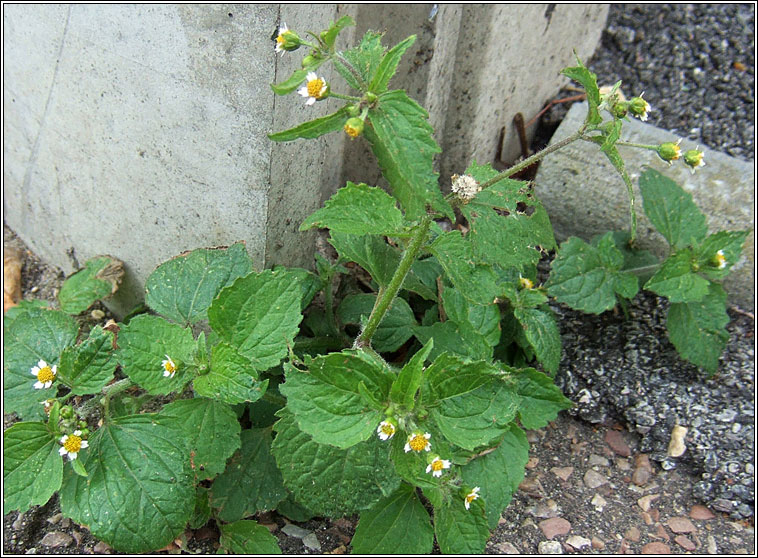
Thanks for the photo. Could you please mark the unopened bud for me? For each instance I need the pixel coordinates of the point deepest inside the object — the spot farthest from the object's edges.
(639, 107)
(669, 151)
(694, 159)
(354, 127)
(287, 40)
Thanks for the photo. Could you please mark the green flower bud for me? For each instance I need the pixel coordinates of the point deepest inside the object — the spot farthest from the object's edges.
(354, 127)
(669, 151)
(353, 110)
(620, 109)
(370, 97)
(67, 411)
(85, 432)
(308, 61)
(639, 107)
(694, 159)
(287, 40)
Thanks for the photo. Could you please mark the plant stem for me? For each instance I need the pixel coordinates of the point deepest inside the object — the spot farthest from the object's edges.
(640, 145)
(644, 269)
(344, 97)
(385, 298)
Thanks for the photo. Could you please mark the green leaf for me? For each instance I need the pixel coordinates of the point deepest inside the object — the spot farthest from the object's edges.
(588, 278)
(408, 381)
(333, 482)
(329, 37)
(37, 334)
(509, 225)
(459, 530)
(202, 513)
(145, 342)
(231, 379)
(450, 337)
(32, 467)
(326, 399)
(247, 537)
(474, 281)
(388, 66)
(313, 128)
(541, 400)
(422, 278)
(259, 315)
(297, 78)
(183, 288)
(251, 483)
(730, 243)
(372, 253)
(499, 473)
(358, 209)
(541, 331)
(450, 376)
(99, 278)
(482, 319)
(22, 307)
(401, 138)
(395, 328)
(676, 281)
(211, 429)
(293, 510)
(588, 80)
(671, 210)
(634, 260)
(139, 494)
(698, 329)
(78, 468)
(398, 524)
(88, 367)
(364, 59)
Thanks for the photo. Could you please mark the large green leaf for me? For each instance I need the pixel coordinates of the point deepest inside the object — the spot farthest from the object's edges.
(371, 252)
(88, 367)
(395, 328)
(139, 494)
(32, 467)
(588, 278)
(588, 80)
(541, 400)
(231, 378)
(698, 329)
(509, 225)
(499, 473)
(459, 530)
(483, 319)
(211, 430)
(408, 381)
(247, 537)
(363, 60)
(259, 315)
(398, 524)
(330, 35)
(313, 128)
(388, 65)
(541, 331)
(99, 278)
(145, 342)
(401, 138)
(730, 243)
(334, 482)
(676, 281)
(327, 400)
(34, 335)
(358, 209)
(251, 482)
(183, 288)
(671, 210)
(459, 340)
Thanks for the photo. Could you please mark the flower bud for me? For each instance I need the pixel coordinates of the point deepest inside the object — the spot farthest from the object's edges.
(693, 159)
(620, 109)
(526, 283)
(287, 40)
(308, 61)
(353, 110)
(67, 411)
(639, 107)
(669, 151)
(719, 260)
(371, 97)
(354, 127)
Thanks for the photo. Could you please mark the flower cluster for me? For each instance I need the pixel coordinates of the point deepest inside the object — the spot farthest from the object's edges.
(670, 152)
(465, 187)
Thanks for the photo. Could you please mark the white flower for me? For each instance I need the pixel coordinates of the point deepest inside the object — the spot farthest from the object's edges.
(418, 442)
(694, 159)
(280, 38)
(466, 187)
(437, 465)
(314, 88)
(169, 368)
(470, 497)
(720, 259)
(386, 430)
(640, 107)
(72, 444)
(45, 374)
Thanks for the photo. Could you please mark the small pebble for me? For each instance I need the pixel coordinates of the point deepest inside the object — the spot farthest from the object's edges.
(623, 464)
(56, 539)
(593, 479)
(550, 547)
(562, 473)
(685, 543)
(656, 548)
(681, 525)
(701, 512)
(711, 545)
(578, 542)
(599, 502)
(598, 460)
(507, 548)
(597, 544)
(32, 550)
(97, 314)
(101, 548)
(633, 534)
(55, 518)
(310, 541)
(676, 444)
(615, 439)
(645, 501)
(532, 462)
(18, 524)
(554, 526)
(341, 549)
(293, 530)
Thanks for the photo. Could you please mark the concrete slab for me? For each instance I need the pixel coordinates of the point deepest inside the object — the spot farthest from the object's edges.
(584, 195)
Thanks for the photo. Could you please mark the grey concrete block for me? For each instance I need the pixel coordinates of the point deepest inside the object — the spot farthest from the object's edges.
(584, 195)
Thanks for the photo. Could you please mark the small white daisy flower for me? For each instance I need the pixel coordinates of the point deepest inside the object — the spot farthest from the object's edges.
(72, 444)
(280, 38)
(386, 430)
(418, 442)
(639, 107)
(470, 497)
(466, 187)
(720, 259)
(437, 465)
(45, 374)
(169, 368)
(314, 88)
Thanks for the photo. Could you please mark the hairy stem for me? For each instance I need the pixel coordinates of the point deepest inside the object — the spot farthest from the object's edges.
(351, 69)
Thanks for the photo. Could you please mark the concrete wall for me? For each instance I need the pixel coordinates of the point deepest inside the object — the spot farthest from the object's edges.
(140, 130)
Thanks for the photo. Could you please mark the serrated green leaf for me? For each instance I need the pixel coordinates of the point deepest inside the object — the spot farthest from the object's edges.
(252, 482)
(385, 528)
(450, 376)
(34, 335)
(698, 329)
(364, 59)
(326, 399)
(22, 307)
(509, 225)
(32, 467)
(358, 209)
(183, 288)
(401, 138)
(145, 342)
(78, 468)
(297, 78)
(408, 381)
(541, 331)
(293, 510)
(395, 328)
(388, 66)
(671, 210)
(247, 537)
(202, 513)
(450, 337)
(313, 128)
(410, 465)
(588, 80)
(474, 281)
(329, 36)
(139, 494)
(588, 278)
(372, 253)
(676, 281)
(422, 278)
(259, 315)
(333, 482)
(211, 430)
(541, 400)
(483, 319)
(459, 530)
(89, 366)
(231, 378)
(641, 262)
(99, 278)
(499, 473)
(730, 243)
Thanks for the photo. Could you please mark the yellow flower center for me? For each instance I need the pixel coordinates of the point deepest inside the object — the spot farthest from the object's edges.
(73, 444)
(169, 366)
(314, 88)
(437, 465)
(351, 131)
(526, 283)
(418, 442)
(719, 259)
(45, 375)
(471, 497)
(388, 429)
(280, 39)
